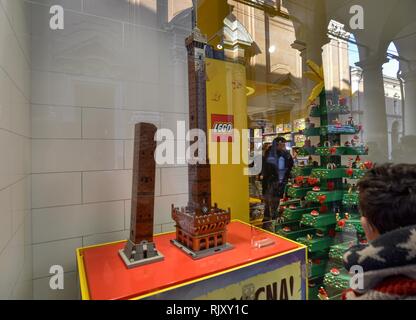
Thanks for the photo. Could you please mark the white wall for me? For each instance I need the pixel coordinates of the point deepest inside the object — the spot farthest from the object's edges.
(15, 144)
(110, 67)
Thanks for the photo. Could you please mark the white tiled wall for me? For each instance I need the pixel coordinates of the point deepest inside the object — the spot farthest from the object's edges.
(15, 150)
(112, 66)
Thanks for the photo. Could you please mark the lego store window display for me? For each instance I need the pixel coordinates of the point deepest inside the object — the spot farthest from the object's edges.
(204, 149)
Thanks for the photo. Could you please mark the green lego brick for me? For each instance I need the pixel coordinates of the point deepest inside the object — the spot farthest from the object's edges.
(337, 251)
(301, 171)
(350, 199)
(306, 151)
(331, 196)
(354, 225)
(323, 220)
(329, 173)
(354, 151)
(357, 174)
(296, 214)
(316, 243)
(298, 192)
(340, 282)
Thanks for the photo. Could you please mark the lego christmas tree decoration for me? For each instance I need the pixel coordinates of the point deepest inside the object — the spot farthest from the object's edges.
(328, 220)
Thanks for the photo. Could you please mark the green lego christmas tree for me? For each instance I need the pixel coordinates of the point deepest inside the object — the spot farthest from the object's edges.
(321, 205)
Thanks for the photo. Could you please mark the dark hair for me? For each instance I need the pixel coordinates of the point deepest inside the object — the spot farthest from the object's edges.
(280, 140)
(388, 196)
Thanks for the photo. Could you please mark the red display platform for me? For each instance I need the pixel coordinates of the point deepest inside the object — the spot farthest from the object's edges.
(104, 276)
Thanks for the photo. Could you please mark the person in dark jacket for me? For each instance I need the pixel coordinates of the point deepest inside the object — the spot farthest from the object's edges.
(388, 262)
(277, 165)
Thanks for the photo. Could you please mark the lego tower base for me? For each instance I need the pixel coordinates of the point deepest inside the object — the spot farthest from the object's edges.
(203, 253)
(135, 255)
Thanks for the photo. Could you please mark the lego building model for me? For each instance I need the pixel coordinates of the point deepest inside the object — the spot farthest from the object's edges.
(140, 248)
(200, 227)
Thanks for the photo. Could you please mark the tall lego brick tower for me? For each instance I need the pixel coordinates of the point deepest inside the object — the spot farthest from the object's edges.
(201, 229)
(199, 174)
(140, 248)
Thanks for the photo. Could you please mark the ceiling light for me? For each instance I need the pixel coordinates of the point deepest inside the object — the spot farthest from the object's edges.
(272, 49)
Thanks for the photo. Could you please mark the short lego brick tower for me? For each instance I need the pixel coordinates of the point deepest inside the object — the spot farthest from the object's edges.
(201, 229)
(140, 248)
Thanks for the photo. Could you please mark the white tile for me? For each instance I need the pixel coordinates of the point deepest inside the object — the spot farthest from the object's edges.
(163, 207)
(43, 291)
(171, 121)
(56, 122)
(157, 228)
(144, 64)
(13, 158)
(114, 124)
(66, 4)
(174, 180)
(174, 98)
(5, 165)
(76, 221)
(139, 12)
(105, 238)
(76, 155)
(99, 93)
(88, 45)
(168, 227)
(141, 96)
(23, 289)
(60, 89)
(18, 13)
(20, 114)
(106, 185)
(21, 201)
(60, 253)
(56, 189)
(11, 264)
(5, 100)
(12, 59)
(5, 217)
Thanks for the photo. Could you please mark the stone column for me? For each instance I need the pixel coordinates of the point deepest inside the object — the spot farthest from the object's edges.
(374, 108)
(409, 78)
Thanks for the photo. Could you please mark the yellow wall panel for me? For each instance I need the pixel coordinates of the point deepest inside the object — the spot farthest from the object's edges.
(226, 95)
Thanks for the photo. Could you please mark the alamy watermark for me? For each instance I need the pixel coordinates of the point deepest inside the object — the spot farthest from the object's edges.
(191, 147)
(56, 22)
(56, 282)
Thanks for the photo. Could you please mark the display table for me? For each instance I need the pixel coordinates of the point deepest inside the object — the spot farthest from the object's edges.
(273, 272)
